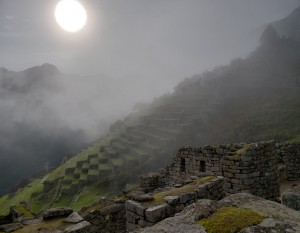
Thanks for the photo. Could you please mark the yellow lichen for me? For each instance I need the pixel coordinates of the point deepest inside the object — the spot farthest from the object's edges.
(230, 220)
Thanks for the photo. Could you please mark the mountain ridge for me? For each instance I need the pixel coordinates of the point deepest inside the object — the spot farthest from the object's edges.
(252, 99)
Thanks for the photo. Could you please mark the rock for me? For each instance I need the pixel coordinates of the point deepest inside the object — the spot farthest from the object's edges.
(44, 230)
(111, 209)
(291, 198)
(74, 218)
(172, 200)
(188, 181)
(57, 212)
(32, 221)
(270, 225)
(82, 227)
(194, 177)
(143, 198)
(280, 219)
(178, 185)
(10, 227)
(131, 205)
(157, 213)
(20, 212)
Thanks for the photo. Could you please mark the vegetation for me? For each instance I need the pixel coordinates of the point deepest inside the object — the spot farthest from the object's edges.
(230, 220)
(158, 198)
(250, 100)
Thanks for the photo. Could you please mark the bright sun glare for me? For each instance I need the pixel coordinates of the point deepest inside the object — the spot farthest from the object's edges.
(70, 15)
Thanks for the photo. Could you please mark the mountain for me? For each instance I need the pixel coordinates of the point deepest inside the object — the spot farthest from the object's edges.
(252, 99)
(289, 26)
(32, 139)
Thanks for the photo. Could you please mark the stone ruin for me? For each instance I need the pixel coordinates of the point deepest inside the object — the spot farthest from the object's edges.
(255, 168)
(208, 172)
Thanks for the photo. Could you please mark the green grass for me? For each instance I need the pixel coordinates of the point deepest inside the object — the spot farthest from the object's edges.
(117, 162)
(86, 165)
(130, 156)
(230, 220)
(295, 140)
(94, 161)
(159, 197)
(104, 167)
(93, 172)
(83, 177)
(52, 224)
(23, 194)
(139, 152)
(89, 195)
(64, 200)
(24, 211)
(59, 171)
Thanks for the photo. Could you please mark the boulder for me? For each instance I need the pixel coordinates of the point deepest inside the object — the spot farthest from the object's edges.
(10, 227)
(32, 221)
(157, 213)
(143, 198)
(172, 200)
(82, 227)
(74, 218)
(57, 212)
(291, 198)
(279, 218)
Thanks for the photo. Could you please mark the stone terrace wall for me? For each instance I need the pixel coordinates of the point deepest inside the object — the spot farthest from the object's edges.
(288, 155)
(246, 167)
(138, 216)
(110, 219)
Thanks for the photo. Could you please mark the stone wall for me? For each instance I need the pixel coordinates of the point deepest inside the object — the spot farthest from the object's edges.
(153, 181)
(288, 155)
(246, 167)
(139, 216)
(110, 219)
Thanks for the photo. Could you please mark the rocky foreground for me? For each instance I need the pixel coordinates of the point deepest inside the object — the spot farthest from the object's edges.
(238, 213)
(277, 218)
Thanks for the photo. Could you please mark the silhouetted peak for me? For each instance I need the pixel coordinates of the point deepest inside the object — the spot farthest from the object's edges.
(269, 35)
(43, 70)
(49, 68)
(3, 70)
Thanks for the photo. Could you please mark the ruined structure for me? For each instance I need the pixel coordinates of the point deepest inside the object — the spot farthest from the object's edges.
(208, 172)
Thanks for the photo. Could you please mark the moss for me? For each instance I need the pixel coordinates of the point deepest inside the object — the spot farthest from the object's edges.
(34, 188)
(205, 179)
(24, 211)
(152, 174)
(230, 220)
(244, 149)
(295, 140)
(53, 224)
(159, 197)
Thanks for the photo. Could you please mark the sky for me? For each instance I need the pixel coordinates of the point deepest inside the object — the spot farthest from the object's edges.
(156, 43)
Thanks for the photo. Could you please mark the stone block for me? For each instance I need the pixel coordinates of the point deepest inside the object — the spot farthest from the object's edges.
(157, 213)
(131, 205)
(172, 200)
(82, 227)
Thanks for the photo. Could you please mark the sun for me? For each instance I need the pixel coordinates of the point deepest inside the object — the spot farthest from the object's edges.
(70, 15)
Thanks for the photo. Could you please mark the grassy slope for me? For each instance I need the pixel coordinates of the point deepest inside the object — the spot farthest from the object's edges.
(251, 110)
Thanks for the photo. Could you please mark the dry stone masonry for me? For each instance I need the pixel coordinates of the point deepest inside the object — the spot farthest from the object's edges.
(138, 215)
(246, 167)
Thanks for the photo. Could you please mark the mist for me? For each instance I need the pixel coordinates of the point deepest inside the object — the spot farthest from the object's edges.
(129, 52)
